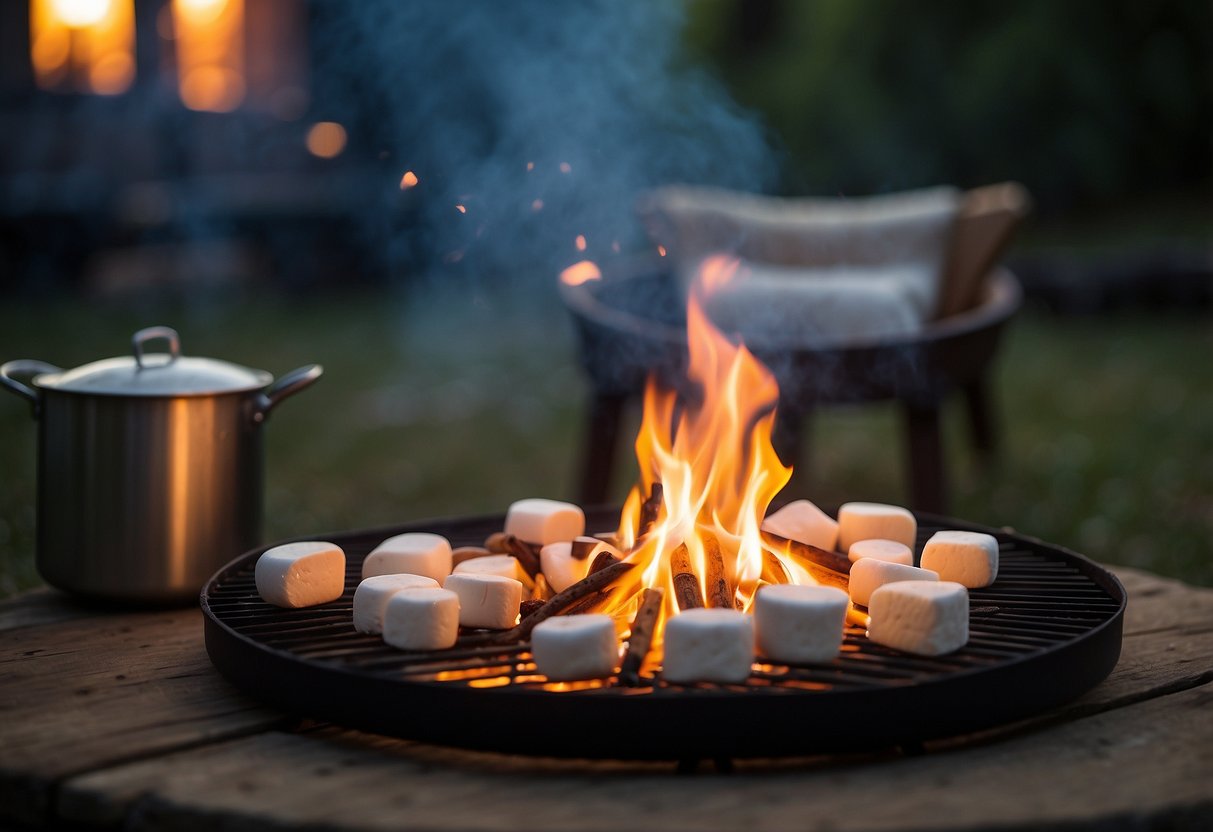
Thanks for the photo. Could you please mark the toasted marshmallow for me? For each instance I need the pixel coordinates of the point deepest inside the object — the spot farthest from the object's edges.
(372, 595)
(301, 574)
(869, 574)
(929, 618)
(868, 521)
(877, 549)
(422, 619)
(572, 647)
(541, 522)
(969, 558)
(486, 601)
(804, 522)
(799, 623)
(414, 553)
(708, 645)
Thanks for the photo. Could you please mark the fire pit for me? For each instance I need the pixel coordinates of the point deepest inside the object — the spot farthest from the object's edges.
(1046, 631)
(689, 569)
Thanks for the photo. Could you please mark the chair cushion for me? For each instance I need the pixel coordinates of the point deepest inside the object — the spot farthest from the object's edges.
(900, 236)
(786, 307)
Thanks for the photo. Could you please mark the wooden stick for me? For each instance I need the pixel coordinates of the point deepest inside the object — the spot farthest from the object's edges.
(686, 585)
(589, 603)
(562, 600)
(523, 553)
(602, 560)
(641, 639)
(495, 543)
(468, 553)
(720, 592)
(834, 561)
(649, 510)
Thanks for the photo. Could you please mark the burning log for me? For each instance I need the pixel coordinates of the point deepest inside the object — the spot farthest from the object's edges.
(643, 627)
(720, 592)
(800, 552)
(602, 561)
(686, 584)
(523, 553)
(562, 601)
(529, 606)
(650, 509)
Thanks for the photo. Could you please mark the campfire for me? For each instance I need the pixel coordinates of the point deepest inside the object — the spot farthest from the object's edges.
(691, 527)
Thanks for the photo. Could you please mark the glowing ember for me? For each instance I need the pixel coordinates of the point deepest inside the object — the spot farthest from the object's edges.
(661, 250)
(565, 167)
(409, 180)
(537, 205)
(461, 209)
(580, 242)
(580, 272)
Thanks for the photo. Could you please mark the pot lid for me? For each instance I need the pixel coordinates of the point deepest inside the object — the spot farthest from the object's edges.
(156, 374)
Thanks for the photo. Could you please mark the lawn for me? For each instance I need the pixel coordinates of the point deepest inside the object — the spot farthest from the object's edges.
(456, 403)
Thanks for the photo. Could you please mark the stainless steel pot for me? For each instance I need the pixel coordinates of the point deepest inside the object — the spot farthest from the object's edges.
(149, 467)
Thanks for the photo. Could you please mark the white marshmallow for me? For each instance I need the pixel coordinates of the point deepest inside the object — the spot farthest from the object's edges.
(504, 565)
(561, 569)
(544, 521)
(572, 647)
(929, 618)
(708, 645)
(301, 574)
(486, 601)
(969, 558)
(415, 553)
(869, 574)
(866, 521)
(799, 623)
(422, 619)
(877, 549)
(371, 597)
(804, 522)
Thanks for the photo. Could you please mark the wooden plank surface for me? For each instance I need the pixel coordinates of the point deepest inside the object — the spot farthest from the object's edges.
(172, 746)
(1149, 764)
(93, 688)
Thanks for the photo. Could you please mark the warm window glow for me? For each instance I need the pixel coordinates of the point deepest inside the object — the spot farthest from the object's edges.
(83, 45)
(210, 53)
(326, 139)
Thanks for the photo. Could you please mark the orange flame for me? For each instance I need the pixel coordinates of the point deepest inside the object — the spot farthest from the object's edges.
(715, 462)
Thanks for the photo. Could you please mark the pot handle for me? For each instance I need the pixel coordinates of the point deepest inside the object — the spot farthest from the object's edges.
(288, 385)
(152, 333)
(25, 367)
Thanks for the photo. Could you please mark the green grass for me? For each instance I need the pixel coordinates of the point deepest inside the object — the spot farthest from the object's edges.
(459, 404)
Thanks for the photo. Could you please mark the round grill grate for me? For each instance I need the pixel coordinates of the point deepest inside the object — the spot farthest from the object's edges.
(1046, 631)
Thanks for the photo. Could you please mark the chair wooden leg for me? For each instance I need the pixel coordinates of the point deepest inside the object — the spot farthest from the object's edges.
(983, 425)
(928, 480)
(598, 447)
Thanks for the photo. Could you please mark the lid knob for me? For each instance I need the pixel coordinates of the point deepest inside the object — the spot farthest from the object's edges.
(153, 333)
